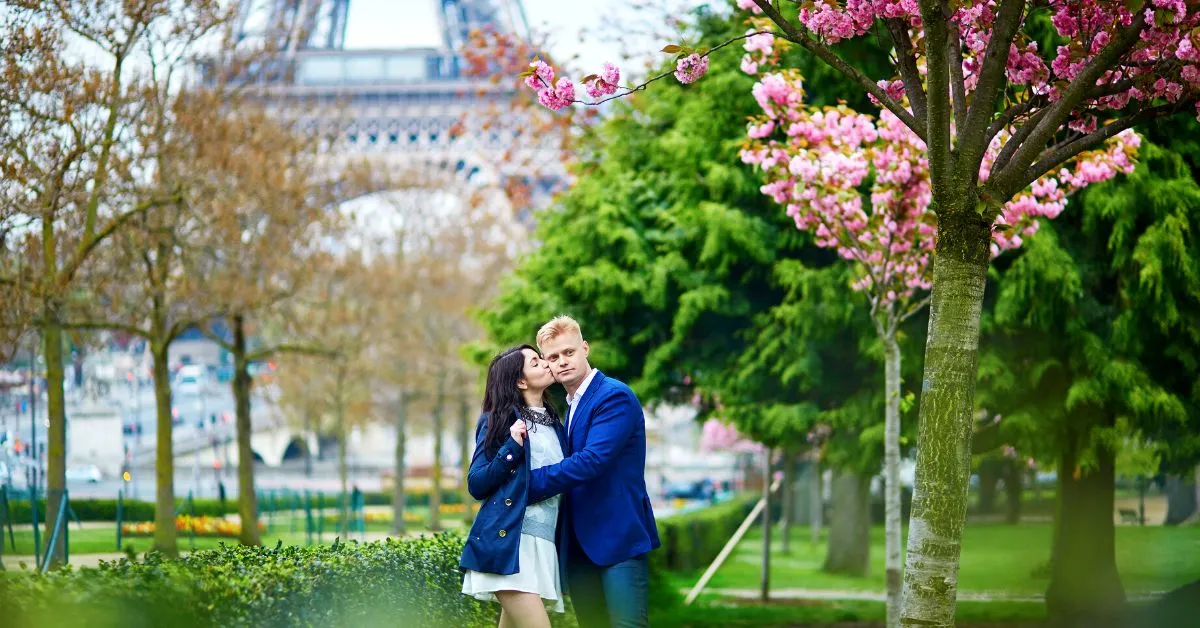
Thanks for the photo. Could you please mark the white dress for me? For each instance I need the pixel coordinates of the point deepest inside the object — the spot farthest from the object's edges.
(537, 567)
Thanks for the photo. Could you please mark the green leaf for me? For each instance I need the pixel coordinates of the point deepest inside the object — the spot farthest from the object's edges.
(671, 49)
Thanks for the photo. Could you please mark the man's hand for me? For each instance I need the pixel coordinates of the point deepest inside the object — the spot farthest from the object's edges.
(518, 431)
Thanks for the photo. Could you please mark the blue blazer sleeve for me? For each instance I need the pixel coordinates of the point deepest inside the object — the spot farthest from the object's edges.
(614, 420)
(487, 475)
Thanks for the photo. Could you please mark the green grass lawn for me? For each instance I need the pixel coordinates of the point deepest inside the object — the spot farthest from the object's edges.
(793, 613)
(995, 559)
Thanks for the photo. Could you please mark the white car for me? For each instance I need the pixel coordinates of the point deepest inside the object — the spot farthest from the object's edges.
(86, 473)
(191, 380)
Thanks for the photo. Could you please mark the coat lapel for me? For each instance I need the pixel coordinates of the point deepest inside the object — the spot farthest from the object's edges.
(583, 414)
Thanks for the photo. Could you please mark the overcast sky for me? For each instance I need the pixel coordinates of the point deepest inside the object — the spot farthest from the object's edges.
(398, 23)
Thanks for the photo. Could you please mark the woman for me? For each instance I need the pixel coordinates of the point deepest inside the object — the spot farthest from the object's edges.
(510, 555)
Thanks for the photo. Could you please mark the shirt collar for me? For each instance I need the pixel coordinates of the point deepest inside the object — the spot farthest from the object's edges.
(573, 399)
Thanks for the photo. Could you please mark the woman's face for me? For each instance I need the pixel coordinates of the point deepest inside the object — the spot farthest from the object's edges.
(536, 374)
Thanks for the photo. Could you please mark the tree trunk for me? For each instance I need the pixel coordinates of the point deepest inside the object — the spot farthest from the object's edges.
(939, 505)
(165, 536)
(989, 478)
(849, 550)
(435, 470)
(1196, 487)
(309, 436)
(343, 464)
(765, 580)
(247, 500)
(891, 474)
(398, 496)
(1084, 584)
(464, 460)
(787, 499)
(56, 447)
(816, 503)
(1014, 487)
(1181, 500)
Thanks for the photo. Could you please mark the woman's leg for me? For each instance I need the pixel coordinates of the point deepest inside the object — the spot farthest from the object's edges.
(522, 610)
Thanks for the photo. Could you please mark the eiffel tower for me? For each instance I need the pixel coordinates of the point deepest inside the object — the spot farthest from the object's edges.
(399, 105)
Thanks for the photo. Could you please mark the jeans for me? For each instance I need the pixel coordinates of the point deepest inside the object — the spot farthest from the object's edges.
(616, 596)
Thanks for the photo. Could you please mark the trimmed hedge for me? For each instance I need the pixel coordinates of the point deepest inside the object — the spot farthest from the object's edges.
(351, 584)
(692, 540)
(412, 582)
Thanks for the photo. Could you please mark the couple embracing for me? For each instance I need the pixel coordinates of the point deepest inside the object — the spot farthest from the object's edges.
(564, 502)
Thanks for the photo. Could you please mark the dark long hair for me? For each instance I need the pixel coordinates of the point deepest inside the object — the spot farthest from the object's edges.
(502, 398)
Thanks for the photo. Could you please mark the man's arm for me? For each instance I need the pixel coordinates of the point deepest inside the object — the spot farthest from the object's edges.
(613, 421)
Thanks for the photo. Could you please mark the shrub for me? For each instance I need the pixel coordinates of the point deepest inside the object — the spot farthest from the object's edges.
(692, 540)
(414, 582)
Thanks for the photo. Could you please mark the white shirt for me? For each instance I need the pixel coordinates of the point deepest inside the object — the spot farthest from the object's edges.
(573, 400)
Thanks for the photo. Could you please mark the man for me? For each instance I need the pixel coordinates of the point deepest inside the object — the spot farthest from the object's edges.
(607, 525)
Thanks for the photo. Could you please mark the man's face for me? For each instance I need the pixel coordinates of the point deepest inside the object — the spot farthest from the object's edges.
(567, 355)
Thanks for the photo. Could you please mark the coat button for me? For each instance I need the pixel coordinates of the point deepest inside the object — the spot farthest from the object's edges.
(508, 457)
(512, 471)
(502, 533)
(508, 502)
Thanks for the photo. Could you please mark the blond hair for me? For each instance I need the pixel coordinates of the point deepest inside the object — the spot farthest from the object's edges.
(558, 326)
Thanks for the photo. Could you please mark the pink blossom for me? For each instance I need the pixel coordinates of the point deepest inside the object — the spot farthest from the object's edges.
(561, 96)
(691, 68)
(716, 435)
(543, 76)
(748, 5)
(815, 161)
(606, 83)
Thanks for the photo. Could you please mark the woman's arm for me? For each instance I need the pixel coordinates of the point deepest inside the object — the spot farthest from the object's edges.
(486, 475)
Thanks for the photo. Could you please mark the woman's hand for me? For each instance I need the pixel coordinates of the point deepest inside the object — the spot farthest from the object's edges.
(518, 431)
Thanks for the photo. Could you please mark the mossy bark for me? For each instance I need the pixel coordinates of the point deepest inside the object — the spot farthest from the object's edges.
(944, 430)
(891, 474)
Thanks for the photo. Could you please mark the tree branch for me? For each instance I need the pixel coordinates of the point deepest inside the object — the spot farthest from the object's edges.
(1005, 119)
(1018, 138)
(906, 60)
(958, 85)
(311, 350)
(116, 223)
(1056, 155)
(804, 40)
(973, 140)
(101, 325)
(1049, 124)
(937, 77)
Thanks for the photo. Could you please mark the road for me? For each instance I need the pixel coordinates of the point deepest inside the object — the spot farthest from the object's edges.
(194, 428)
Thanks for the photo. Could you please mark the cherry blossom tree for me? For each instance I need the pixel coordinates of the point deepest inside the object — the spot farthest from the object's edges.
(996, 114)
(821, 163)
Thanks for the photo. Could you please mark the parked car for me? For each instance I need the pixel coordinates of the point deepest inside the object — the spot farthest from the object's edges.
(191, 380)
(132, 427)
(702, 489)
(86, 473)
